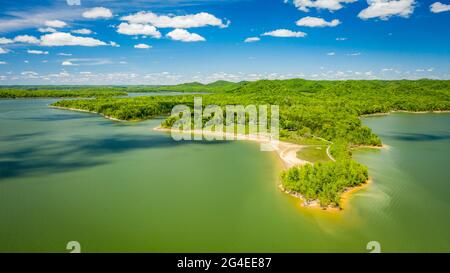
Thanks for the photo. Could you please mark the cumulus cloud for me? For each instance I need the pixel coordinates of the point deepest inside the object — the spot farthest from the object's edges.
(184, 36)
(142, 46)
(46, 30)
(97, 12)
(384, 9)
(316, 22)
(331, 5)
(3, 51)
(252, 39)
(83, 31)
(138, 29)
(285, 33)
(4, 41)
(438, 7)
(67, 39)
(2, 62)
(64, 54)
(114, 44)
(37, 52)
(331, 53)
(201, 19)
(341, 39)
(55, 23)
(26, 39)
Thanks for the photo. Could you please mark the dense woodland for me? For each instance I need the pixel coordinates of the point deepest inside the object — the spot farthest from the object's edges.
(324, 109)
(325, 181)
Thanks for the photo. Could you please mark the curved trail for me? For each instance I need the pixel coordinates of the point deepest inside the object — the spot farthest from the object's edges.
(329, 154)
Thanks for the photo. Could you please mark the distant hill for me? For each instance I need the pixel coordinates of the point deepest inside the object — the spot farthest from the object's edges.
(217, 86)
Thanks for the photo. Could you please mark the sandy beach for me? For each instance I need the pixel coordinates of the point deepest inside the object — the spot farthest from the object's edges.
(286, 151)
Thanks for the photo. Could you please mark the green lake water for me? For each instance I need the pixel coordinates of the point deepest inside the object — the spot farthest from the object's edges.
(111, 186)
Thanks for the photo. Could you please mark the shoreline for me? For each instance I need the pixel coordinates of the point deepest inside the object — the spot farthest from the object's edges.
(87, 111)
(407, 112)
(315, 204)
(383, 146)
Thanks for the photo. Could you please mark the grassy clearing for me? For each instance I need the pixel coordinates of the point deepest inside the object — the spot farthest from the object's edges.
(314, 154)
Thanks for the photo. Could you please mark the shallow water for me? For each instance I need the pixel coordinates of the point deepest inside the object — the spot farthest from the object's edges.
(69, 176)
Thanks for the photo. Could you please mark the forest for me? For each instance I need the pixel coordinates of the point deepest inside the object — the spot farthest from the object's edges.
(325, 181)
(86, 91)
(329, 110)
(52, 93)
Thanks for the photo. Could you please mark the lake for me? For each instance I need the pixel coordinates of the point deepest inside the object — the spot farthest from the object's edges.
(112, 186)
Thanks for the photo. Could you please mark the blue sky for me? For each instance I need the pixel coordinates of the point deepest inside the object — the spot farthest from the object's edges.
(174, 41)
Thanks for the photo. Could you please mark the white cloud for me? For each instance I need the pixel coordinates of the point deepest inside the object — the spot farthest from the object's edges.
(316, 22)
(83, 31)
(184, 36)
(1, 62)
(384, 9)
(142, 46)
(332, 5)
(201, 19)
(138, 29)
(67, 63)
(67, 39)
(30, 73)
(285, 33)
(26, 39)
(64, 54)
(114, 44)
(354, 54)
(331, 53)
(252, 40)
(55, 23)
(97, 12)
(438, 7)
(37, 52)
(341, 39)
(3, 51)
(4, 41)
(46, 29)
